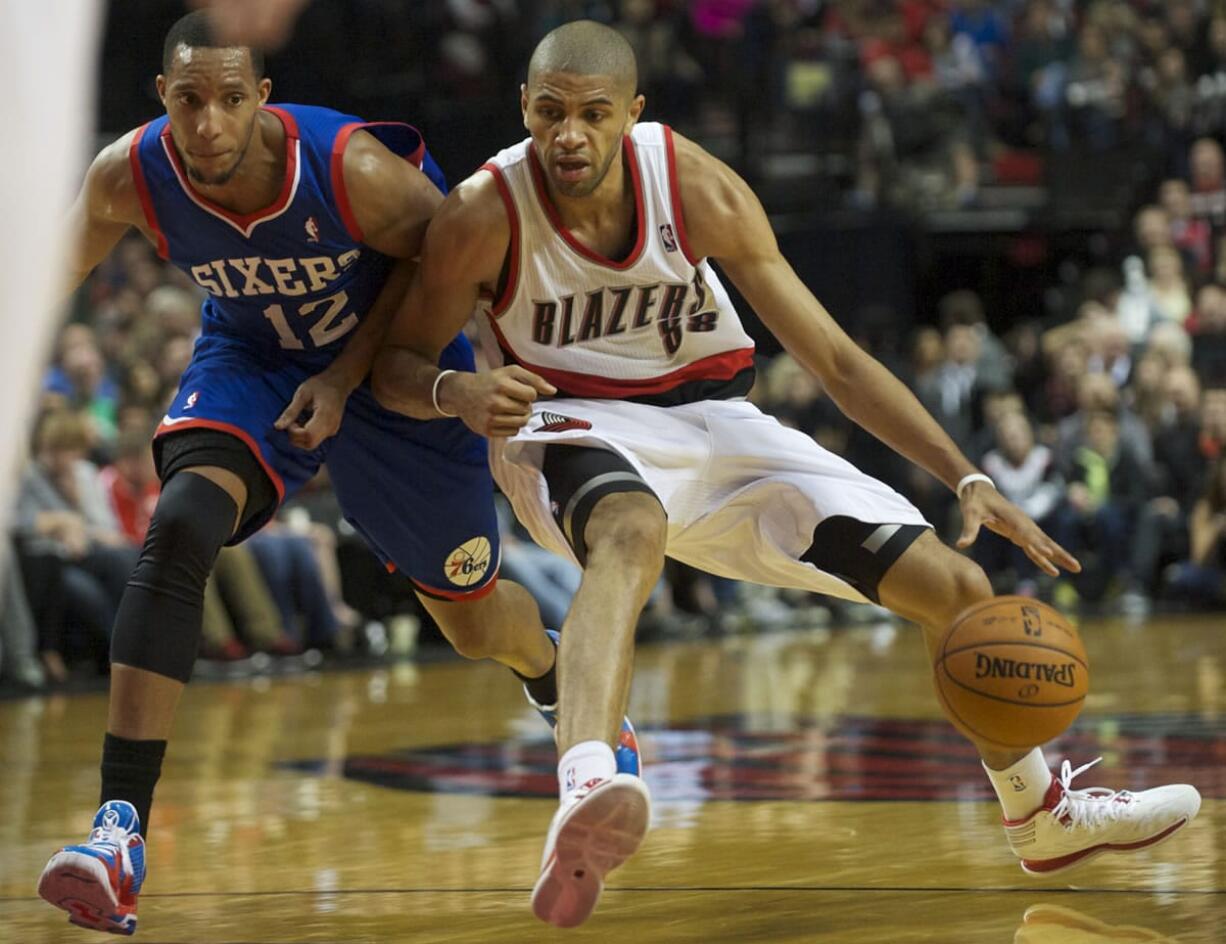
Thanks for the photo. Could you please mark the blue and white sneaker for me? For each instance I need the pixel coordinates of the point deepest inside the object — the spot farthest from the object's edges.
(97, 882)
(627, 750)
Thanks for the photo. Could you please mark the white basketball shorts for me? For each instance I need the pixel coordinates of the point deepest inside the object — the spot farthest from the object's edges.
(743, 493)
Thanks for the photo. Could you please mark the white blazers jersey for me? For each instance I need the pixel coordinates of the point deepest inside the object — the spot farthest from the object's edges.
(656, 327)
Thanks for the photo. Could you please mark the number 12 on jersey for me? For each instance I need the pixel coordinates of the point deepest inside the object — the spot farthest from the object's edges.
(330, 326)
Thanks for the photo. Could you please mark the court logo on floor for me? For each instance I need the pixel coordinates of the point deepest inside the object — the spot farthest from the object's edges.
(772, 757)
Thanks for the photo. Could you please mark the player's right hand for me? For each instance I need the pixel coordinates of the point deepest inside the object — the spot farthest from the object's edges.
(493, 403)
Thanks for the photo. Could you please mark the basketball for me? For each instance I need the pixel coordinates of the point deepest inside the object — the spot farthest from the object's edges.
(1012, 672)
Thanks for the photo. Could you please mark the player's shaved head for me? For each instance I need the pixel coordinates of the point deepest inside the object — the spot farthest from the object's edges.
(586, 47)
(195, 31)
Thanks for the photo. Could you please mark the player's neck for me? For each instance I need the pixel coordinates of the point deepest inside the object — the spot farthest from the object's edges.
(259, 179)
(610, 204)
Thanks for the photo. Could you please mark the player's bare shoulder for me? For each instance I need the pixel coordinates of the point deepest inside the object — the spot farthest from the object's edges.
(109, 193)
(723, 217)
(392, 200)
(471, 233)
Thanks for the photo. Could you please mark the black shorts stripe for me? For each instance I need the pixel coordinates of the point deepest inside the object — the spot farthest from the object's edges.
(860, 552)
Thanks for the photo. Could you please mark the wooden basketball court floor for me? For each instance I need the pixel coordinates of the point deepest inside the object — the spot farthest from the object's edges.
(805, 790)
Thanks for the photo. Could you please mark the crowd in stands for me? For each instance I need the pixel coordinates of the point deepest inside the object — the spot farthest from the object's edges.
(1104, 417)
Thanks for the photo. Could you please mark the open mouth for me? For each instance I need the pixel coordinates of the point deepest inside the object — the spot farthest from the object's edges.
(571, 169)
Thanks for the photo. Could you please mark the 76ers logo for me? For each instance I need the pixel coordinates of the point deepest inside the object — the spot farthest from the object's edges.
(467, 564)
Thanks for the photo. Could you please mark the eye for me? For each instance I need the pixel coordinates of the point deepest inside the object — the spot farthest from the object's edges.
(236, 99)
(594, 117)
(188, 98)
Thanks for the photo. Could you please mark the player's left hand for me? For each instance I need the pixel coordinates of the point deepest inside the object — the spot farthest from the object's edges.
(322, 399)
(983, 506)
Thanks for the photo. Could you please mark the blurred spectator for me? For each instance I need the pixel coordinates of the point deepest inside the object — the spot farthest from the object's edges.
(81, 378)
(1209, 338)
(1208, 180)
(63, 511)
(1161, 534)
(1167, 285)
(668, 75)
(1094, 95)
(1107, 488)
(1201, 577)
(289, 564)
(1026, 473)
(951, 392)
(1191, 236)
(1097, 393)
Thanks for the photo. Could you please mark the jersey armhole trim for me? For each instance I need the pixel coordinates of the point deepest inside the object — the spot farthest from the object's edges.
(503, 300)
(142, 190)
(339, 193)
(337, 168)
(674, 193)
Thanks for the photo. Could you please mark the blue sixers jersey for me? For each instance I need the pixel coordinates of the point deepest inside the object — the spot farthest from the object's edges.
(295, 277)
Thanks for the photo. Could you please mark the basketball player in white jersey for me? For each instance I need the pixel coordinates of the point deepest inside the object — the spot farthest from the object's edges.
(584, 249)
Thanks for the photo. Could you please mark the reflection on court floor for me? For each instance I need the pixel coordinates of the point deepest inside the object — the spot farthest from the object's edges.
(750, 757)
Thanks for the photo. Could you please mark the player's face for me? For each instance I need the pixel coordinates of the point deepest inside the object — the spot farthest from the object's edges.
(577, 123)
(213, 98)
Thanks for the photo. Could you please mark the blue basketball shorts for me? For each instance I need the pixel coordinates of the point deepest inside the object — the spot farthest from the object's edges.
(419, 492)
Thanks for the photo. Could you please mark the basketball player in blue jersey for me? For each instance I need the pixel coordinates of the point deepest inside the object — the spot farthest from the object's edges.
(584, 249)
(300, 224)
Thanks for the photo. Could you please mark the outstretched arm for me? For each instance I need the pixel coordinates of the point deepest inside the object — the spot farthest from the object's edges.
(392, 202)
(726, 222)
(464, 250)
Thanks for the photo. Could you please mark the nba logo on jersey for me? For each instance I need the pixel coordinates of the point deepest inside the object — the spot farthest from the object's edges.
(667, 237)
(191, 400)
(312, 230)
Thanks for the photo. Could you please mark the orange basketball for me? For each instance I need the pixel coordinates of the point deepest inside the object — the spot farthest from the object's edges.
(1012, 671)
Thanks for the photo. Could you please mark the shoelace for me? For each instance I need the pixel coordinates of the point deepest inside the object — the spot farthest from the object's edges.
(1091, 806)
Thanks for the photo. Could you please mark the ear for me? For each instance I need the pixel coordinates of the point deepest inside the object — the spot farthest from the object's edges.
(636, 110)
(160, 82)
(523, 102)
(264, 89)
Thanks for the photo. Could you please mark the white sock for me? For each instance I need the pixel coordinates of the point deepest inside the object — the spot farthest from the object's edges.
(1022, 787)
(583, 763)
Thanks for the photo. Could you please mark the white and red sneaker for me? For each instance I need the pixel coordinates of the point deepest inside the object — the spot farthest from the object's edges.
(1073, 826)
(594, 832)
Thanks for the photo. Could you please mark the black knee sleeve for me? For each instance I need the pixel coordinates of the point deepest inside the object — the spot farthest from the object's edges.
(159, 621)
(578, 477)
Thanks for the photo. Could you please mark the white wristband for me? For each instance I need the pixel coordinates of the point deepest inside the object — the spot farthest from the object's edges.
(970, 480)
(434, 393)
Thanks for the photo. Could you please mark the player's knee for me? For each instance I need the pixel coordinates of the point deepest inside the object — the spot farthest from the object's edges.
(160, 617)
(192, 520)
(968, 585)
(627, 529)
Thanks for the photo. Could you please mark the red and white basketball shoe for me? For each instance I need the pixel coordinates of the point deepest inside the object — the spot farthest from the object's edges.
(1073, 826)
(594, 832)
